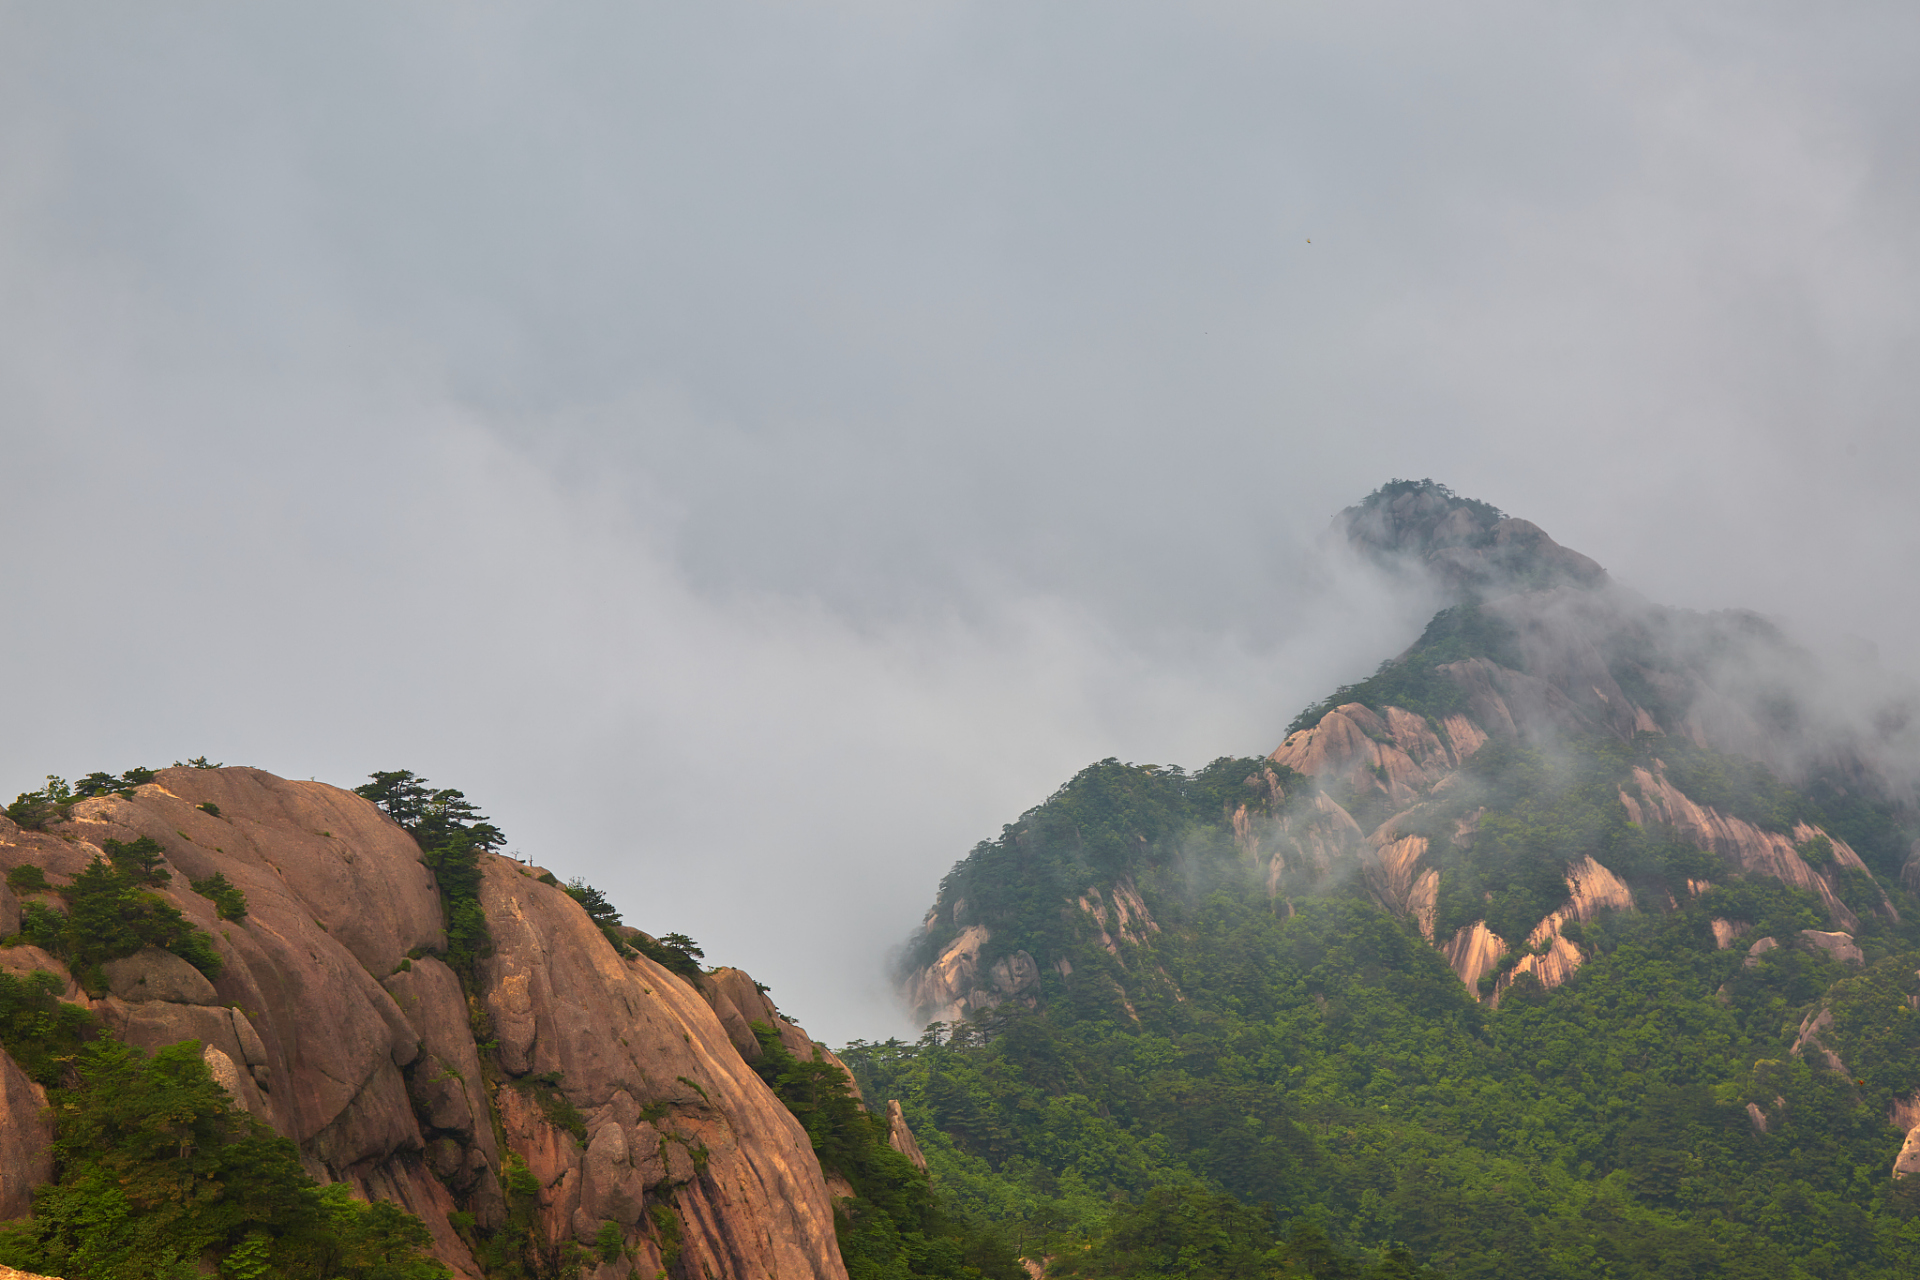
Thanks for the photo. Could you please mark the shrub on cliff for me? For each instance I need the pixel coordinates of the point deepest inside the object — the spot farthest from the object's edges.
(676, 953)
(452, 834)
(110, 912)
(39, 1030)
(227, 899)
(159, 1173)
(110, 915)
(33, 810)
(605, 916)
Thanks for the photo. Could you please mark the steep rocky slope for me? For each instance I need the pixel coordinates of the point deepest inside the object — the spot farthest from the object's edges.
(615, 1083)
(1523, 768)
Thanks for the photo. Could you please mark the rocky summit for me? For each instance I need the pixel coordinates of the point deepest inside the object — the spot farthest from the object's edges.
(616, 1095)
(1666, 860)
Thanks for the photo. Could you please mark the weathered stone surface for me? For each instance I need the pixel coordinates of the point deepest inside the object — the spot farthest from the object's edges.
(253, 1051)
(221, 1068)
(1653, 800)
(1759, 949)
(1840, 946)
(23, 960)
(1725, 931)
(1905, 1115)
(738, 1002)
(26, 1140)
(153, 1024)
(1398, 755)
(375, 1072)
(1473, 952)
(323, 846)
(901, 1138)
(609, 1026)
(153, 974)
(9, 1273)
(446, 1083)
(940, 991)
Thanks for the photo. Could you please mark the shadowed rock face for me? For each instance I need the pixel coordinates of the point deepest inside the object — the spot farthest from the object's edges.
(322, 1026)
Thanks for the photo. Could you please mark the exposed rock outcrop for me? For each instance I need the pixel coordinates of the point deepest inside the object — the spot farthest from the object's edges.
(322, 1024)
(1725, 931)
(26, 1139)
(1653, 799)
(1473, 952)
(946, 990)
(1118, 913)
(901, 1138)
(1838, 946)
(1905, 1115)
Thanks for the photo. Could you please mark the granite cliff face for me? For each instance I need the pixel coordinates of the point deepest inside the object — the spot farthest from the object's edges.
(618, 1085)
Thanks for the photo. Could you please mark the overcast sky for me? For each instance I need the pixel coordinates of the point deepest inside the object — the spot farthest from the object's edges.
(757, 449)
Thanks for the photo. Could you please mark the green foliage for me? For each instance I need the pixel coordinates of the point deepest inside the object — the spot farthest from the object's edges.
(43, 927)
(1744, 788)
(519, 1179)
(677, 953)
(1112, 820)
(608, 1242)
(603, 914)
(158, 1172)
(452, 835)
(227, 899)
(1329, 1064)
(110, 914)
(893, 1228)
(34, 810)
(27, 878)
(39, 1030)
(105, 784)
(546, 1091)
(1815, 851)
(432, 816)
(138, 860)
(208, 807)
(666, 1232)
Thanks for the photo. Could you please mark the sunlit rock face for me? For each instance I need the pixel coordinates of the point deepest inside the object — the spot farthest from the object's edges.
(395, 1078)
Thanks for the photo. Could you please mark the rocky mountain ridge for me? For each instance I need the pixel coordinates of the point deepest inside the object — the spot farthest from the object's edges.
(1539, 661)
(606, 1088)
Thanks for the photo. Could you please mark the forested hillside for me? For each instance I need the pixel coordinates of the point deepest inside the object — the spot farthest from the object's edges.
(1580, 940)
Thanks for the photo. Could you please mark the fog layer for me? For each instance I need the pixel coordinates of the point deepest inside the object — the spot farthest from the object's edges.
(755, 450)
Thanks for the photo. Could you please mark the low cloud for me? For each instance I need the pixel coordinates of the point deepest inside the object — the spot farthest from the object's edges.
(757, 450)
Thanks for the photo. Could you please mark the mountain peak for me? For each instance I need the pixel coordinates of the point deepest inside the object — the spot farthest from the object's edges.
(1471, 548)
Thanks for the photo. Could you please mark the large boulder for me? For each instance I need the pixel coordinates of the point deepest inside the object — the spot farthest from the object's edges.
(153, 974)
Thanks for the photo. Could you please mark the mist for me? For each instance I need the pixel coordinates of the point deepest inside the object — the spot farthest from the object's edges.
(757, 450)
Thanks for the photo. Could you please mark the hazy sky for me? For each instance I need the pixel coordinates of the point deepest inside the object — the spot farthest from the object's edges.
(757, 449)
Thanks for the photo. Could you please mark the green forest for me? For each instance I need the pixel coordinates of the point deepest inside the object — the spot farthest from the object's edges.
(1301, 1085)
